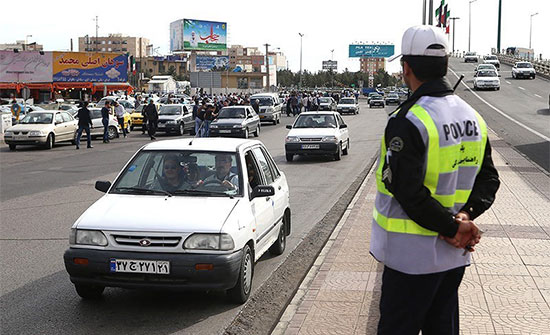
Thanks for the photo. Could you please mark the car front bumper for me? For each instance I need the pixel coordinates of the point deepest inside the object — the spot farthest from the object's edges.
(376, 103)
(524, 74)
(321, 148)
(168, 127)
(223, 275)
(487, 85)
(267, 116)
(346, 110)
(222, 132)
(27, 140)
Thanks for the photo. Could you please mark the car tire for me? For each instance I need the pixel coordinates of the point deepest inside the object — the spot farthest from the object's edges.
(241, 291)
(112, 132)
(533, 77)
(338, 154)
(50, 141)
(279, 246)
(257, 132)
(245, 135)
(346, 150)
(12, 147)
(181, 129)
(90, 292)
(289, 157)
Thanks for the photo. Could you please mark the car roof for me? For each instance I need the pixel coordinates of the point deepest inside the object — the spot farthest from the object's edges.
(317, 113)
(221, 144)
(47, 110)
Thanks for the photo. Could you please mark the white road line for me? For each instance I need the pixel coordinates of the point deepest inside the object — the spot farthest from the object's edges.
(521, 88)
(538, 96)
(502, 113)
(509, 83)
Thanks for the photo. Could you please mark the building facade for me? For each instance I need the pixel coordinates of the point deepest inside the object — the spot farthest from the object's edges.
(21, 46)
(136, 46)
(371, 65)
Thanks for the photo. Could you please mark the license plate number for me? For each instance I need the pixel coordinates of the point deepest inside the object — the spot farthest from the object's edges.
(262, 116)
(225, 131)
(310, 146)
(140, 266)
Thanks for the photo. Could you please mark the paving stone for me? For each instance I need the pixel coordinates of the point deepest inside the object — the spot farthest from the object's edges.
(329, 324)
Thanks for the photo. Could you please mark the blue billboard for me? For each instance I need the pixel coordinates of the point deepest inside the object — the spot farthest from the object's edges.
(212, 63)
(371, 50)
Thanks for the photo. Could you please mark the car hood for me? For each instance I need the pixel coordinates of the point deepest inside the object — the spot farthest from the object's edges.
(304, 132)
(324, 103)
(527, 69)
(228, 121)
(487, 78)
(153, 213)
(29, 127)
(346, 105)
(169, 117)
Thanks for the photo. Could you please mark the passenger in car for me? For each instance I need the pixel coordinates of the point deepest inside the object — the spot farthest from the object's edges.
(172, 177)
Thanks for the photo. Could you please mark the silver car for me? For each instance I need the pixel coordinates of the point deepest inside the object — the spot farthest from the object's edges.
(97, 130)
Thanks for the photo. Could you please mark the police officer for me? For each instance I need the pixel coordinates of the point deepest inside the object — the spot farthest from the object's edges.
(435, 175)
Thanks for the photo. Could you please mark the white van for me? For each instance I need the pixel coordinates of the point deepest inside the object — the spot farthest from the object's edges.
(270, 106)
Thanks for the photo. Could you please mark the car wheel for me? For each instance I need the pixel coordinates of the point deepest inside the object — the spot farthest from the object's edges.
(12, 147)
(533, 76)
(257, 132)
(50, 141)
(181, 130)
(289, 157)
(91, 292)
(279, 246)
(245, 133)
(338, 154)
(241, 291)
(346, 150)
(112, 132)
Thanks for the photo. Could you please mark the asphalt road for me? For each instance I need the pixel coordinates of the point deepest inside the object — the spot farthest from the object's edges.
(43, 192)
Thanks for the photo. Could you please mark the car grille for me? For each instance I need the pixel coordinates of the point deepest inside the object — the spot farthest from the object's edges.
(310, 139)
(156, 241)
(20, 132)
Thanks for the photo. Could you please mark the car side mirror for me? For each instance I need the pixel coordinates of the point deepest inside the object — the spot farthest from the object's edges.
(58, 122)
(343, 126)
(288, 126)
(102, 186)
(262, 191)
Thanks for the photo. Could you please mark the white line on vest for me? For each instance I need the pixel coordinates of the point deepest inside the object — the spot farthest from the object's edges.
(538, 96)
(521, 88)
(502, 113)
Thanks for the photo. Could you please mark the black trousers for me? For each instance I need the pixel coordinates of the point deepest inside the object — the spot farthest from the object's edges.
(410, 303)
(152, 127)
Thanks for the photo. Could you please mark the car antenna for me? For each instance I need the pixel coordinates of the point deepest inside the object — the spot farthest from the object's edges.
(191, 142)
(458, 82)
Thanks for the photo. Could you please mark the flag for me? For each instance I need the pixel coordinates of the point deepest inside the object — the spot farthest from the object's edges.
(439, 13)
(447, 23)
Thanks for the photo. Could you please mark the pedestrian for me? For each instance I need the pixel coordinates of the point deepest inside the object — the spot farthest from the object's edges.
(256, 105)
(84, 123)
(294, 104)
(152, 119)
(209, 116)
(119, 112)
(199, 119)
(435, 175)
(105, 114)
(144, 122)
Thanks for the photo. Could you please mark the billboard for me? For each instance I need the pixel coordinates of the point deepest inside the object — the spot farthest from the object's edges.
(204, 35)
(176, 35)
(330, 65)
(89, 67)
(212, 63)
(371, 50)
(25, 67)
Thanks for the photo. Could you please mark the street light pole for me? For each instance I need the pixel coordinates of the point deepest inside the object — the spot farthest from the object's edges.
(301, 35)
(331, 71)
(267, 65)
(531, 28)
(470, 22)
(96, 30)
(454, 28)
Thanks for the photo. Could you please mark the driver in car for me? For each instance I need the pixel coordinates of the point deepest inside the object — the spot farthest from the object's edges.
(223, 175)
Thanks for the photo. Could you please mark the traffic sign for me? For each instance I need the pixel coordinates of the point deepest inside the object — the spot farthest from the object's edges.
(371, 50)
(26, 93)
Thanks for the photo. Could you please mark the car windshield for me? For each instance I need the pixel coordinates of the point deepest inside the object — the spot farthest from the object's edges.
(263, 101)
(347, 101)
(232, 113)
(140, 108)
(324, 100)
(181, 173)
(38, 118)
(525, 65)
(487, 74)
(315, 121)
(491, 58)
(170, 110)
(470, 54)
(393, 96)
(486, 66)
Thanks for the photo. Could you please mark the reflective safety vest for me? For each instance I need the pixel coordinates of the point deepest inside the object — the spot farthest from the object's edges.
(455, 136)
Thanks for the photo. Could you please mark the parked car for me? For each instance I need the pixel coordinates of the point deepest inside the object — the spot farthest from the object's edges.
(470, 57)
(238, 121)
(393, 98)
(486, 79)
(175, 118)
(491, 59)
(317, 133)
(136, 117)
(523, 70)
(128, 110)
(377, 100)
(270, 107)
(43, 128)
(485, 66)
(347, 105)
(113, 131)
(327, 104)
(206, 232)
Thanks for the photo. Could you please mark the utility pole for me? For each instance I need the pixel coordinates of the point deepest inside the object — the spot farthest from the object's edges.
(96, 30)
(301, 35)
(499, 24)
(267, 65)
(331, 71)
(423, 12)
(531, 28)
(430, 13)
(470, 22)
(454, 28)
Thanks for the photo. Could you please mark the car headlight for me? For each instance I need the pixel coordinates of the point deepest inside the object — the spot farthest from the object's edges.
(214, 126)
(292, 139)
(87, 237)
(237, 126)
(209, 242)
(171, 122)
(8, 133)
(36, 133)
(330, 139)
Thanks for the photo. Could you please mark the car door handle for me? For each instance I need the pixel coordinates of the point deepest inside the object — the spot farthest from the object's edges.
(279, 188)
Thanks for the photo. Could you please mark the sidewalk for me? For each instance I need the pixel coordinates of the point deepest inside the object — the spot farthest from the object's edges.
(506, 290)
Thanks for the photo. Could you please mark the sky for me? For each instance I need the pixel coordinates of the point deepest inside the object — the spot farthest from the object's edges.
(254, 23)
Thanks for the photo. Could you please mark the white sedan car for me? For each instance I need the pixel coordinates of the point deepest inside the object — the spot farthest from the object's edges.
(486, 79)
(348, 105)
(317, 133)
(523, 70)
(210, 208)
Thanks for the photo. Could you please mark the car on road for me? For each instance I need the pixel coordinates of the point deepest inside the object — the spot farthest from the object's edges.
(523, 70)
(491, 59)
(377, 100)
(113, 131)
(317, 133)
(229, 206)
(347, 105)
(45, 128)
(470, 57)
(128, 110)
(270, 107)
(327, 104)
(240, 121)
(486, 79)
(485, 66)
(136, 118)
(392, 98)
(175, 118)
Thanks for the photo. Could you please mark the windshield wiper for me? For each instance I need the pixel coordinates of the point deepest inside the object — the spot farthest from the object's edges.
(199, 193)
(144, 190)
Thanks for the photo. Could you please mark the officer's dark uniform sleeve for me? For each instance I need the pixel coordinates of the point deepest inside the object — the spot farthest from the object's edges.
(485, 187)
(407, 178)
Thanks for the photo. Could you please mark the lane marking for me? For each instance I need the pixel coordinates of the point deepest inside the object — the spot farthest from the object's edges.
(509, 83)
(538, 95)
(521, 88)
(501, 112)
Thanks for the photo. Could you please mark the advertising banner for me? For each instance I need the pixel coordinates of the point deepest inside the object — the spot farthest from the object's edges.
(212, 63)
(89, 67)
(204, 35)
(25, 67)
(330, 65)
(371, 50)
(176, 35)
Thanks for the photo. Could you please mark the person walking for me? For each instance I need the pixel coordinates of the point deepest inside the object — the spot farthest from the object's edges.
(199, 120)
(435, 175)
(152, 119)
(105, 113)
(209, 116)
(119, 112)
(84, 123)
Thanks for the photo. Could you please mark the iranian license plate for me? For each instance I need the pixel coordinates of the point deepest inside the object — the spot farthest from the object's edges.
(140, 266)
(262, 116)
(310, 146)
(225, 131)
